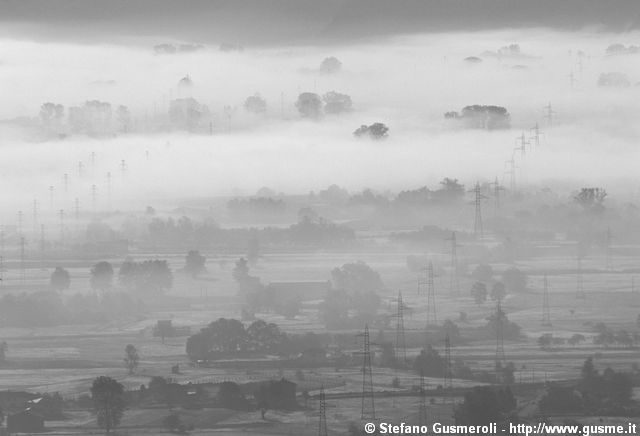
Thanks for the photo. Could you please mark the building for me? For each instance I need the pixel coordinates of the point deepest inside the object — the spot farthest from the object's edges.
(26, 421)
(164, 328)
(277, 395)
(302, 291)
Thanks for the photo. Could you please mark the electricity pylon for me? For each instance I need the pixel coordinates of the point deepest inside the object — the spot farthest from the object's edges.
(428, 282)
(522, 140)
(496, 195)
(448, 369)
(23, 273)
(546, 310)
(35, 216)
(422, 408)
(109, 191)
(511, 172)
(608, 240)
(549, 114)
(580, 295)
(536, 135)
(477, 222)
(500, 356)
(322, 425)
(61, 215)
(454, 280)
(368, 410)
(94, 195)
(401, 343)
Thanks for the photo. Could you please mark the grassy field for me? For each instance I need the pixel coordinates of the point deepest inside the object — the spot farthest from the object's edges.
(65, 359)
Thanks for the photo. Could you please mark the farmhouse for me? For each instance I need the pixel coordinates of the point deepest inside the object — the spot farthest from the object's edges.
(302, 291)
(277, 394)
(164, 328)
(26, 421)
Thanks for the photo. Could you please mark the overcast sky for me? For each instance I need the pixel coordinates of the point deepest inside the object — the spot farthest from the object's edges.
(304, 21)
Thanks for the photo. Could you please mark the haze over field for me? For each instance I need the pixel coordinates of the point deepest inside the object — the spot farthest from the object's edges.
(215, 210)
(407, 82)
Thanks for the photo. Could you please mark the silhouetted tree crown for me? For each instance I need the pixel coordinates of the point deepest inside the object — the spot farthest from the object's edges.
(108, 402)
(60, 279)
(101, 276)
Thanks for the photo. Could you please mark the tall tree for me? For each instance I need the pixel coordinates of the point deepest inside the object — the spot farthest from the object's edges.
(131, 358)
(591, 200)
(60, 279)
(357, 277)
(194, 263)
(330, 65)
(498, 291)
(3, 351)
(309, 105)
(255, 104)
(101, 276)
(479, 292)
(108, 402)
(336, 103)
(374, 131)
(147, 277)
(514, 280)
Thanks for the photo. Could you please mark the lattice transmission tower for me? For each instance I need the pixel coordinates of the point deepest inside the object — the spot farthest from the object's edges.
(454, 279)
(546, 309)
(580, 295)
(401, 343)
(368, 410)
(422, 407)
(322, 424)
(426, 282)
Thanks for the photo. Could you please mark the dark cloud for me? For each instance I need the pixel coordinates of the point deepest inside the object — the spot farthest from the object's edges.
(291, 21)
